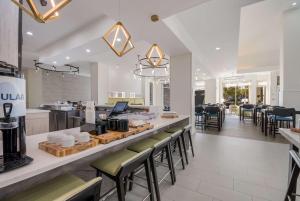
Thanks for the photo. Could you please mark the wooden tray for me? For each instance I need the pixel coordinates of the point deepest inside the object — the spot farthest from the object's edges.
(296, 130)
(115, 135)
(60, 151)
(143, 128)
(169, 116)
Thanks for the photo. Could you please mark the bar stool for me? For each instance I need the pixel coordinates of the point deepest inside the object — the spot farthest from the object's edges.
(62, 188)
(117, 166)
(291, 191)
(158, 146)
(186, 131)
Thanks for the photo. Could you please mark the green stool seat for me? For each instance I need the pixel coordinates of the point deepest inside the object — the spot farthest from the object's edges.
(143, 145)
(113, 162)
(174, 129)
(50, 190)
(161, 136)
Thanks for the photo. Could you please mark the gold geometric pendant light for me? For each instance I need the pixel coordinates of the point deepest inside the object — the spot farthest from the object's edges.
(118, 39)
(34, 12)
(155, 55)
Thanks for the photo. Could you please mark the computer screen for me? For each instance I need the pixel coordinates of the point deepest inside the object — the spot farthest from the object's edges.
(120, 107)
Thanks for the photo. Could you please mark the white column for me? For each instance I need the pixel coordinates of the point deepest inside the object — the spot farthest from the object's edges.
(290, 62)
(99, 83)
(9, 32)
(181, 82)
(211, 91)
(252, 91)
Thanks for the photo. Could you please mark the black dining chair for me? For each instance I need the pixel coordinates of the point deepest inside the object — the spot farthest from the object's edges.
(282, 118)
(213, 117)
(247, 109)
(199, 117)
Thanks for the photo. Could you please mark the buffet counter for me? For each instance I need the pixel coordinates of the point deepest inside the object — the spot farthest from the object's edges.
(46, 166)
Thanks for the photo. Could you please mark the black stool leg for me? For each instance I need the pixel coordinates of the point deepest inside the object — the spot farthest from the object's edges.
(149, 180)
(155, 179)
(99, 174)
(191, 142)
(180, 152)
(131, 178)
(170, 164)
(184, 148)
(120, 189)
(292, 184)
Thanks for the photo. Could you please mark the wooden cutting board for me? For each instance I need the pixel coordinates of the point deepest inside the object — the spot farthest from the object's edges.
(115, 135)
(296, 130)
(60, 151)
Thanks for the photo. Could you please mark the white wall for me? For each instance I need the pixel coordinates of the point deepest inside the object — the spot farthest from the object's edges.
(289, 69)
(211, 91)
(121, 79)
(9, 32)
(106, 78)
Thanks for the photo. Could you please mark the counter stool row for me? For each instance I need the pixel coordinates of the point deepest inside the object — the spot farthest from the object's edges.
(123, 166)
(120, 166)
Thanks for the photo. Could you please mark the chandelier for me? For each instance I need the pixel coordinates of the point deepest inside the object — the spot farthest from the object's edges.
(118, 38)
(65, 69)
(33, 10)
(145, 69)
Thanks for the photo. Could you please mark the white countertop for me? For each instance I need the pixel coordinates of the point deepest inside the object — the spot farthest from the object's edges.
(44, 162)
(292, 137)
(34, 111)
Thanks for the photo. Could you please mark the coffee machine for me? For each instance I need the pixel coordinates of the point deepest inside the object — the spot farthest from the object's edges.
(12, 119)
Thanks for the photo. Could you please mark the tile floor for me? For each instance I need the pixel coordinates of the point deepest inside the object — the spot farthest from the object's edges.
(228, 169)
(243, 129)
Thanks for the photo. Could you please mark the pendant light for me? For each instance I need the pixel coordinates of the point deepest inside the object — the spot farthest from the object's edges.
(155, 55)
(118, 38)
(32, 10)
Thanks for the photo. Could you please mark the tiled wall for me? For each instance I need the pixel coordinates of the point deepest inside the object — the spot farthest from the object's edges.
(55, 87)
(8, 32)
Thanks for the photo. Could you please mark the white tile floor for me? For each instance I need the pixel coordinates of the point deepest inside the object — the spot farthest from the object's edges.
(228, 169)
(232, 169)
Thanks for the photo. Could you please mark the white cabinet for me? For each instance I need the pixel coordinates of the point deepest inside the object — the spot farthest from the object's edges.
(37, 121)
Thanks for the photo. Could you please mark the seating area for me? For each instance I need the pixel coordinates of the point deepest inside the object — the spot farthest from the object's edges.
(210, 116)
(149, 100)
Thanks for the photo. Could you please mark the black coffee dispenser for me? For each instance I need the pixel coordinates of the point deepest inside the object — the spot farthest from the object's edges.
(12, 123)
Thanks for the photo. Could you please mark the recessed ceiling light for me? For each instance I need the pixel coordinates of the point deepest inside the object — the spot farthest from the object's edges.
(218, 48)
(54, 62)
(88, 50)
(294, 4)
(67, 57)
(29, 33)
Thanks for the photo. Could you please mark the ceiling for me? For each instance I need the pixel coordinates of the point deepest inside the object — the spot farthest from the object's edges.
(260, 35)
(81, 26)
(225, 37)
(211, 32)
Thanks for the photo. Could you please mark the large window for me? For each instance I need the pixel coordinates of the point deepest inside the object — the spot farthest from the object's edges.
(235, 95)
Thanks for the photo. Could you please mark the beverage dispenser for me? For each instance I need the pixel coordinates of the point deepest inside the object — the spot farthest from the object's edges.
(12, 122)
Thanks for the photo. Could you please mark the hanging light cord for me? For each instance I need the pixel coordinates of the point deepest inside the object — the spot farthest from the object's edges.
(119, 10)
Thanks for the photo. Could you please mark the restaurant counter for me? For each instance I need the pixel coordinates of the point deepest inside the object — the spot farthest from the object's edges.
(46, 166)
